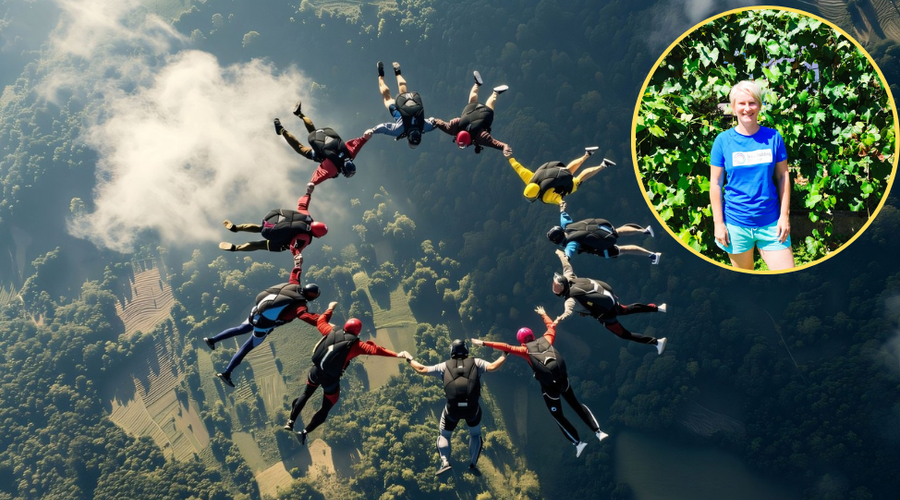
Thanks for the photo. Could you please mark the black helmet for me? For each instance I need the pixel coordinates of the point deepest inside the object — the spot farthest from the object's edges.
(560, 284)
(414, 138)
(556, 234)
(458, 349)
(349, 168)
(310, 291)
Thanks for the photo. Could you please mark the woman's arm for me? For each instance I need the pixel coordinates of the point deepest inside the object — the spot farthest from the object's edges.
(716, 181)
(783, 186)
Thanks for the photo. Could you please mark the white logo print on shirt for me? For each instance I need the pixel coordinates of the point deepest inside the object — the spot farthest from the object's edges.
(760, 156)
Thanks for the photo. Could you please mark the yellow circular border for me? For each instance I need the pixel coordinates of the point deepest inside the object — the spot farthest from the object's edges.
(637, 108)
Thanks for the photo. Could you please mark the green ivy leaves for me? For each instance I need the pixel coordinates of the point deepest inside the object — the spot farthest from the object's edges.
(820, 92)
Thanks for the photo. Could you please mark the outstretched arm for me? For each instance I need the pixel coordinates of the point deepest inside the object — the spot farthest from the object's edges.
(485, 139)
(303, 202)
(497, 363)
(297, 270)
(392, 129)
(354, 145)
(567, 267)
(323, 322)
(419, 367)
(373, 349)
(523, 172)
(550, 334)
(451, 127)
(570, 308)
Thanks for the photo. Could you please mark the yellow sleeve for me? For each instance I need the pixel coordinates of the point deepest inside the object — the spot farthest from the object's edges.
(551, 197)
(523, 172)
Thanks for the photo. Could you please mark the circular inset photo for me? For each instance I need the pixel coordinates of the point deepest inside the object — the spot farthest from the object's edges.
(765, 140)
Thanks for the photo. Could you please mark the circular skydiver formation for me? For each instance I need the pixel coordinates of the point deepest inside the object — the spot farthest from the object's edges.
(294, 230)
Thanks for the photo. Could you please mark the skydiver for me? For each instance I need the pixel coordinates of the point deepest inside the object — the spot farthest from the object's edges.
(594, 298)
(282, 229)
(325, 146)
(274, 307)
(406, 108)
(474, 125)
(553, 181)
(598, 237)
(461, 376)
(549, 369)
(330, 358)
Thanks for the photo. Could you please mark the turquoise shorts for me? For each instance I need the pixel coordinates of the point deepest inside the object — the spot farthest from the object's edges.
(742, 239)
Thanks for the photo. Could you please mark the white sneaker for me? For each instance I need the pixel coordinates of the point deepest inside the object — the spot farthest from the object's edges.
(601, 435)
(591, 150)
(654, 258)
(501, 89)
(445, 466)
(661, 308)
(650, 231)
(661, 345)
(579, 447)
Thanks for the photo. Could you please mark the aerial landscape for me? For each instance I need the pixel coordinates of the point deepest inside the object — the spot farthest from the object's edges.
(130, 130)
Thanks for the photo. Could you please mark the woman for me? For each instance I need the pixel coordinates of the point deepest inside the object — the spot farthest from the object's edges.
(755, 209)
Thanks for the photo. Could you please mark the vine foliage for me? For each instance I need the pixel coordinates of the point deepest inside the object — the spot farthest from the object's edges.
(819, 90)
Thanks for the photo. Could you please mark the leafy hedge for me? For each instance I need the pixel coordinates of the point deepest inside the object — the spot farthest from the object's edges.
(819, 90)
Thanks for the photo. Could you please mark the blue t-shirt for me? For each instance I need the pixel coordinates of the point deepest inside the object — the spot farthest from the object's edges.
(751, 199)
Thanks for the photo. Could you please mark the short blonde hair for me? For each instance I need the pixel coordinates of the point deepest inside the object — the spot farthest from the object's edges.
(748, 86)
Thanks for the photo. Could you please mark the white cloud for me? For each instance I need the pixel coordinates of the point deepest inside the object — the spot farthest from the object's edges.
(91, 27)
(183, 142)
(193, 148)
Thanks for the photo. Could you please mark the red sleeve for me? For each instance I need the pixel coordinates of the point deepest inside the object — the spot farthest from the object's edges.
(299, 312)
(354, 145)
(550, 335)
(322, 323)
(326, 170)
(295, 275)
(308, 317)
(370, 348)
(299, 242)
(519, 350)
(303, 204)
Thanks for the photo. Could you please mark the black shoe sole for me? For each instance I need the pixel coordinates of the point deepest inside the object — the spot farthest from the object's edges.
(224, 380)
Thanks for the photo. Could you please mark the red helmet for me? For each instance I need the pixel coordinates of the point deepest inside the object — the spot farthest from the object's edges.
(463, 139)
(318, 229)
(525, 335)
(353, 326)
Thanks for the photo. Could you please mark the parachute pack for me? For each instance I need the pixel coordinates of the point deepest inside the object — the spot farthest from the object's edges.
(412, 112)
(594, 235)
(462, 385)
(592, 295)
(281, 225)
(271, 302)
(547, 363)
(330, 353)
(327, 144)
(475, 118)
(553, 175)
